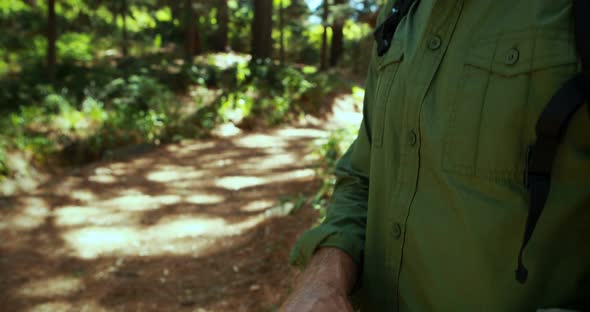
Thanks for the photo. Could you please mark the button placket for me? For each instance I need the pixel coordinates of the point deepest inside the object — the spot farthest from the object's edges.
(427, 65)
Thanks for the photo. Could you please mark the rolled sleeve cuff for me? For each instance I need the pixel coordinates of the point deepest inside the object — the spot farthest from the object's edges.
(325, 236)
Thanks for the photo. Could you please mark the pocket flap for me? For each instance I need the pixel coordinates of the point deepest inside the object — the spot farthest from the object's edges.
(394, 55)
(521, 53)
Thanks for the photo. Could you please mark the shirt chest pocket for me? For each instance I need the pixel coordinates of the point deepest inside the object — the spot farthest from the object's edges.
(505, 84)
(387, 68)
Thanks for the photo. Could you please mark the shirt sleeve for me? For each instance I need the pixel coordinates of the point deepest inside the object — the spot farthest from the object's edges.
(344, 225)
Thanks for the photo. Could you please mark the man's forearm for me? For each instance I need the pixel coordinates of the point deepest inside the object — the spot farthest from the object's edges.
(331, 267)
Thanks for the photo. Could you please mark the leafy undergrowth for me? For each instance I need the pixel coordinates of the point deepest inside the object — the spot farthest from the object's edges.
(326, 153)
(93, 110)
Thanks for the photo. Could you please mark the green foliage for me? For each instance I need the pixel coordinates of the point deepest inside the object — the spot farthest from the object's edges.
(136, 93)
(19, 133)
(202, 74)
(240, 24)
(101, 100)
(327, 153)
(54, 103)
(136, 110)
(131, 111)
(75, 47)
(4, 169)
(269, 94)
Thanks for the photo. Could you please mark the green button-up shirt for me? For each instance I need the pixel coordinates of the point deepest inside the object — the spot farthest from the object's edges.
(433, 209)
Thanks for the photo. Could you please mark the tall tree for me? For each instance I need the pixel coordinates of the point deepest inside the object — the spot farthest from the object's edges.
(324, 49)
(339, 18)
(223, 30)
(192, 41)
(282, 31)
(51, 40)
(125, 42)
(262, 29)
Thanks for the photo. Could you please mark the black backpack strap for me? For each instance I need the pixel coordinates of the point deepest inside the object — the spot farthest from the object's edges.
(551, 129)
(384, 32)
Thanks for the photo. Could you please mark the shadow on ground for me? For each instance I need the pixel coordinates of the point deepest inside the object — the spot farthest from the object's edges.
(186, 226)
(192, 226)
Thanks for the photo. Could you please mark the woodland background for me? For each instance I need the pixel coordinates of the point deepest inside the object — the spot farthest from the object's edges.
(78, 78)
(162, 155)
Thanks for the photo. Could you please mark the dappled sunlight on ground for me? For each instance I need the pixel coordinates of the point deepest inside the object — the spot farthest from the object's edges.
(70, 216)
(172, 173)
(106, 175)
(237, 183)
(104, 179)
(51, 307)
(139, 202)
(31, 213)
(159, 228)
(61, 286)
(300, 133)
(82, 195)
(259, 205)
(190, 200)
(63, 306)
(260, 141)
(90, 242)
(226, 130)
(269, 162)
(169, 236)
(343, 116)
(204, 199)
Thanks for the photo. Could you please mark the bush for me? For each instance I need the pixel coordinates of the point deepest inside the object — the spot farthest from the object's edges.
(138, 93)
(273, 94)
(90, 110)
(327, 153)
(75, 47)
(4, 170)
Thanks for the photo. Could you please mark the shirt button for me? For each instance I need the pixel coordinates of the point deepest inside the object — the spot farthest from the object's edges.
(512, 56)
(434, 43)
(412, 138)
(396, 230)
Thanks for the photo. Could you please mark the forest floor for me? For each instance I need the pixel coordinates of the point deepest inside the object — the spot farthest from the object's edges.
(194, 226)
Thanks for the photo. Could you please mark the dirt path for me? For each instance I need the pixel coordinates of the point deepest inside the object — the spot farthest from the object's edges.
(187, 227)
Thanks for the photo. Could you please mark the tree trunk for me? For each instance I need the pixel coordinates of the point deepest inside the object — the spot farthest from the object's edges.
(190, 31)
(282, 31)
(262, 30)
(51, 40)
(125, 43)
(337, 44)
(176, 10)
(223, 20)
(324, 50)
(198, 46)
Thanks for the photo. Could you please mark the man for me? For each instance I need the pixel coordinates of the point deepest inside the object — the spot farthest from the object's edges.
(431, 200)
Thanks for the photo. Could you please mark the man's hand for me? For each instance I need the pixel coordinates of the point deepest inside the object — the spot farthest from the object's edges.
(325, 284)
